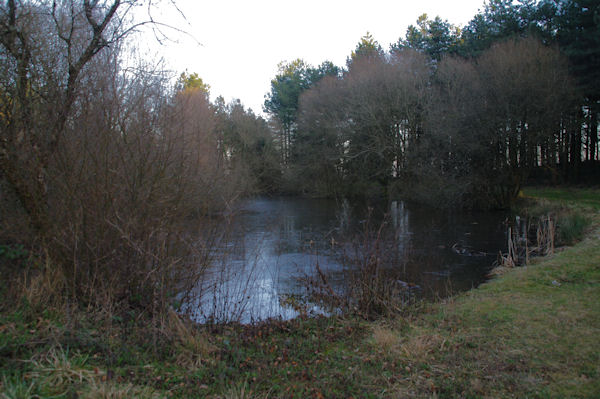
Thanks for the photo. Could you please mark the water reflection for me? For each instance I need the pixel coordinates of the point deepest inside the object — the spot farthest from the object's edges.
(276, 241)
(400, 219)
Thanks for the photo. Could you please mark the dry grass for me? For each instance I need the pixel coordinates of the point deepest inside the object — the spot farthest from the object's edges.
(385, 338)
(420, 347)
(243, 391)
(110, 390)
(43, 287)
(194, 347)
(61, 371)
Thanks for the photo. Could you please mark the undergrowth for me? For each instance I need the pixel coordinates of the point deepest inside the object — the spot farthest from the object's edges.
(570, 210)
(530, 333)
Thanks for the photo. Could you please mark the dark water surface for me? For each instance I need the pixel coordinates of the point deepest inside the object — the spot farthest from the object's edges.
(275, 242)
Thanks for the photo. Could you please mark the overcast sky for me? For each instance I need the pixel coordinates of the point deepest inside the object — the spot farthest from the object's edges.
(237, 44)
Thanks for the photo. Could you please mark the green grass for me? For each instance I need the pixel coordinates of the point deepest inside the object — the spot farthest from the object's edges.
(587, 197)
(299, 358)
(530, 333)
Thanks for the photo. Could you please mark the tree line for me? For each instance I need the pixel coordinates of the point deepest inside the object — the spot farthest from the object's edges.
(449, 115)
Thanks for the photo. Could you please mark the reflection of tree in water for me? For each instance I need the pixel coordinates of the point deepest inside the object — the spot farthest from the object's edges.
(400, 220)
(289, 234)
(281, 239)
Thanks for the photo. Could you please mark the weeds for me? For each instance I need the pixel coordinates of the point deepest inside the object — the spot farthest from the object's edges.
(111, 390)
(370, 289)
(60, 370)
(243, 391)
(521, 245)
(13, 387)
(520, 335)
(194, 348)
(545, 226)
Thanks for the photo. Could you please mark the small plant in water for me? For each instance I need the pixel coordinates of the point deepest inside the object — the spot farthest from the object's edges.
(537, 234)
(370, 288)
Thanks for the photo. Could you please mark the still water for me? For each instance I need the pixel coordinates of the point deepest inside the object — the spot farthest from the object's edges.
(273, 244)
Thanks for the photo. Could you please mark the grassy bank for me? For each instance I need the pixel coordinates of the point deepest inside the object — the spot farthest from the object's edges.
(531, 332)
(582, 197)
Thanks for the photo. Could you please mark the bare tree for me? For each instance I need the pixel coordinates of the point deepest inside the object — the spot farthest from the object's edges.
(105, 169)
(375, 115)
(322, 132)
(45, 47)
(529, 94)
(494, 118)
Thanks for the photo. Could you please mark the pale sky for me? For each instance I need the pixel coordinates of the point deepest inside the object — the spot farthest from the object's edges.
(241, 42)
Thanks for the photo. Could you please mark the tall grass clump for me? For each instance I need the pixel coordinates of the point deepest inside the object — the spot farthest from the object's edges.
(571, 227)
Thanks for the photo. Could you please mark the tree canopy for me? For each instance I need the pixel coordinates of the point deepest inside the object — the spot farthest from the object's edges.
(512, 94)
(192, 81)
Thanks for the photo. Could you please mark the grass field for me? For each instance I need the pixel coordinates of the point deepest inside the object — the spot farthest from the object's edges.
(530, 333)
(587, 197)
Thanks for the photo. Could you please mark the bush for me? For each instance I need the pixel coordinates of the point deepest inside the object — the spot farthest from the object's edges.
(127, 195)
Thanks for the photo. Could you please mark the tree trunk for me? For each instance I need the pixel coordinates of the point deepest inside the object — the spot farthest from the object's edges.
(575, 150)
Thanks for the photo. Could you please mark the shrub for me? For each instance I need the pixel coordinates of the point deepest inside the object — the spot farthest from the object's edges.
(571, 227)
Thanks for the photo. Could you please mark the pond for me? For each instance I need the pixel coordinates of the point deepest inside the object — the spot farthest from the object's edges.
(274, 244)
